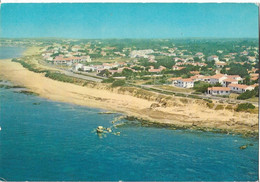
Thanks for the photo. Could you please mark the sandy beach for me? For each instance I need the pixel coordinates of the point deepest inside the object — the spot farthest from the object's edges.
(192, 113)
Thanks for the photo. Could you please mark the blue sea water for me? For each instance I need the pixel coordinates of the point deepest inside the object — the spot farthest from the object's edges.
(11, 52)
(55, 141)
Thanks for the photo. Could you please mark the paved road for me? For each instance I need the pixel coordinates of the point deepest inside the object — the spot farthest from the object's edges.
(84, 77)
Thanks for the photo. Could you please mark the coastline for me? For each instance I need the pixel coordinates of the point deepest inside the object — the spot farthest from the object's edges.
(190, 115)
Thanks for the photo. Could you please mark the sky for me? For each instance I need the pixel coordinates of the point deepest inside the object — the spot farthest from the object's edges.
(133, 20)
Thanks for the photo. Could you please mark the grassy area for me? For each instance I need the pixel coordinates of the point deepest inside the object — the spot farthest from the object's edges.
(64, 78)
(233, 96)
(254, 99)
(175, 89)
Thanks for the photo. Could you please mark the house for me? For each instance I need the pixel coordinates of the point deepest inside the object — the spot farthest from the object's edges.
(214, 57)
(244, 53)
(218, 90)
(239, 88)
(88, 68)
(199, 55)
(175, 80)
(228, 81)
(221, 64)
(251, 58)
(68, 61)
(185, 83)
(236, 77)
(78, 66)
(86, 58)
(177, 68)
(194, 72)
(152, 70)
(218, 78)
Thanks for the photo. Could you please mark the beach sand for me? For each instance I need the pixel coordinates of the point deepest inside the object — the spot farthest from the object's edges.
(190, 114)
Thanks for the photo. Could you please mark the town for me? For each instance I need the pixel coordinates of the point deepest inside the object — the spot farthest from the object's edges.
(205, 67)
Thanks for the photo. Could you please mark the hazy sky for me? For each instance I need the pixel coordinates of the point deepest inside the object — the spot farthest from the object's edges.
(141, 20)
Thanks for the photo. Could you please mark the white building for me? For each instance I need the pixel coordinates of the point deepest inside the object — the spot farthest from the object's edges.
(88, 68)
(219, 90)
(214, 57)
(78, 66)
(185, 83)
(238, 88)
(217, 78)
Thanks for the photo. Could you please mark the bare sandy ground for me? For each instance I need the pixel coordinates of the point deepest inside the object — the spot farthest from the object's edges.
(190, 114)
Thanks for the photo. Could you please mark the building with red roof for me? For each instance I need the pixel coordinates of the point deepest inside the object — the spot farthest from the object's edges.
(219, 90)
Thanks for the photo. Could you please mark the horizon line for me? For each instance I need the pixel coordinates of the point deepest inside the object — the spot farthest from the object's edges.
(129, 38)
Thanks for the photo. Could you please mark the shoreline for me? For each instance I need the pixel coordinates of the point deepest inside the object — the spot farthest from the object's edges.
(188, 115)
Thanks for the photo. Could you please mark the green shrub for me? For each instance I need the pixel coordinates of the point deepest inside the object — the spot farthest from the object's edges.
(180, 95)
(185, 101)
(219, 107)
(245, 107)
(208, 100)
(248, 94)
(194, 96)
(229, 107)
(109, 80)
(198, 93)
(210, 105)
(201, 87)
(118, 83)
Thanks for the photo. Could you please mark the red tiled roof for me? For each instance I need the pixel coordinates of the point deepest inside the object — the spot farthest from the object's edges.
(230, 80)
(239, 86)
(187, 80)
(176, 78)
(219, 88)
(218, 76)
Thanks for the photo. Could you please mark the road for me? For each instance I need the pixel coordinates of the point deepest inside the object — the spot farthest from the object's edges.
(83, 75)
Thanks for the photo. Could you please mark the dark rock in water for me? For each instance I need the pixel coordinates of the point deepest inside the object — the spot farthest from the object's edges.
(36, 103)
(28, 92)
(243, 147)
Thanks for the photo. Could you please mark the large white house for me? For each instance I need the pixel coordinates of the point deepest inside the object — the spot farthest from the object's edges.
(214, 57)
(185, 83)
(217, 78)
(239, 88)
(219, 90)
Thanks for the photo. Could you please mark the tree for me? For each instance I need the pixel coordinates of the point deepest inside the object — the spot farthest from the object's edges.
(105, 73)
(249, 94)
(237, 69)
(118, 83)
(247, 80)
(200, 86)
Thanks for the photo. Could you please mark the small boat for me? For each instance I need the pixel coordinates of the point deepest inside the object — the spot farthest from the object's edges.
(100, 129)
(109, 130)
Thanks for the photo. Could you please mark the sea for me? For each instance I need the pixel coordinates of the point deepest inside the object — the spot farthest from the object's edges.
(52, 141)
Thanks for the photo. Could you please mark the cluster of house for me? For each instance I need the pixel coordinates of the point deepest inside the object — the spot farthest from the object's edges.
(141, 53)
(63, 55)
(229, 83)
(70, 60)
(105, 66)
